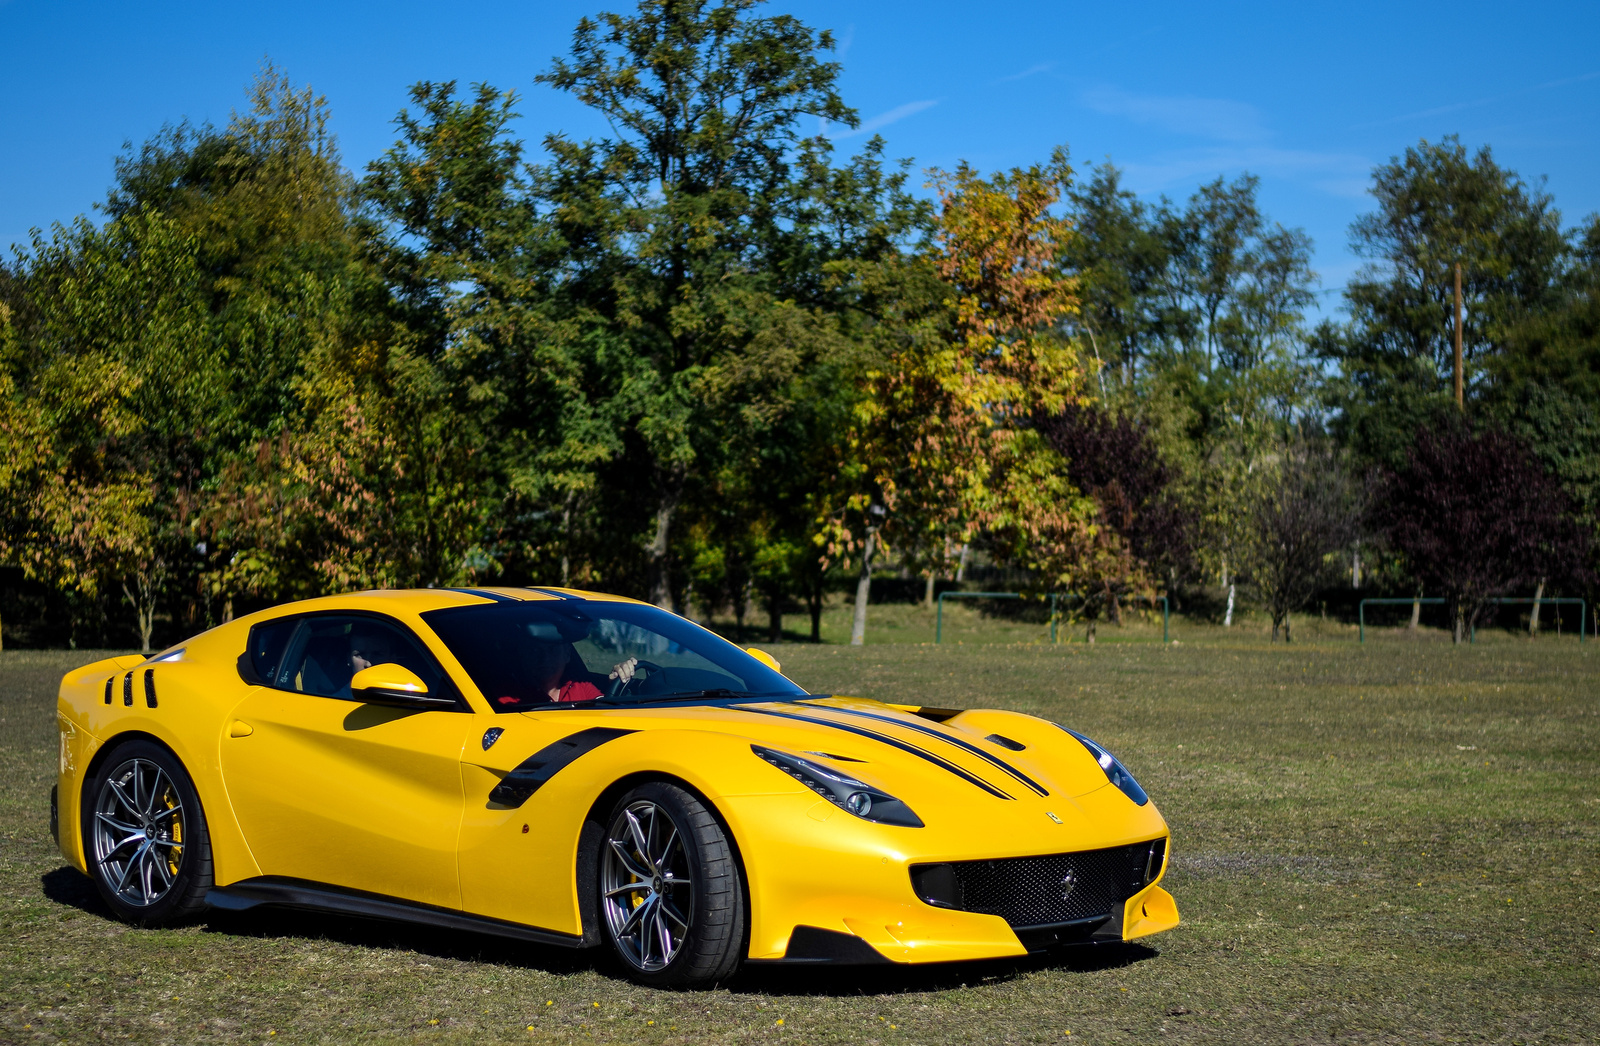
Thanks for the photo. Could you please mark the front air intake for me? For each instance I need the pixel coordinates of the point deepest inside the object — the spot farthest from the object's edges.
(1087, 886)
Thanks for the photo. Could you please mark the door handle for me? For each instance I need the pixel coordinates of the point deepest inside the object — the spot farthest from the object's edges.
(240, 728)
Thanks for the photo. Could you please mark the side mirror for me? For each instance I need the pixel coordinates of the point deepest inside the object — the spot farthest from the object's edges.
(765, 658)
(395, 686)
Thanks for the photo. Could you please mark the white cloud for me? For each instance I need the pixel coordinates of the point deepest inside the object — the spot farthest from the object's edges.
(1032, 70)
(1349, 188)
(1217, 118)
(1456, 107)
(899, 112)
(1341, 173)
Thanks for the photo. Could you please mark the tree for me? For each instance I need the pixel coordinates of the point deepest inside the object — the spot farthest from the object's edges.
(1307, 512)
(675, 222)
(942, 444)
(1113, 460)
(108, 476)
(1121, 260)
(1476, 517)
(1437, 207)
(476, 277)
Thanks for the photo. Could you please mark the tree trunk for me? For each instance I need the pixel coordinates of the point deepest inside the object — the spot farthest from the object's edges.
(146, 583)
(1227, 620)
(927, 592)
(961, 566)
(1458, 633)
(1355, 567)
(814, 605)
(1533, 618)
(1088, 636)
(566, 542)
(1416, 612)
(858, 629)
(1116, 610)
(660, 575)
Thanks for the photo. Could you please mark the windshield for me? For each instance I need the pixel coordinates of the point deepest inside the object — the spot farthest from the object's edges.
(545, 652)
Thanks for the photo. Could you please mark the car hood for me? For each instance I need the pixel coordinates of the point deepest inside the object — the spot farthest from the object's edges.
(916, 754)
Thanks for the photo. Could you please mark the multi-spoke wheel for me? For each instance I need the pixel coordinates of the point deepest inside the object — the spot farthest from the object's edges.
(670, 895)
(145, 836)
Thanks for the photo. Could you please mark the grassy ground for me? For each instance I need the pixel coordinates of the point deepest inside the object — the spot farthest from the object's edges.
(1393, 843)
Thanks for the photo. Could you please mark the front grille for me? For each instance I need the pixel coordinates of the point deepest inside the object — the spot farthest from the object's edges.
(1046, 890)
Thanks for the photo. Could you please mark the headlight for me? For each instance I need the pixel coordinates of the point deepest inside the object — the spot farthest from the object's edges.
(842, 790)
(1116, 773)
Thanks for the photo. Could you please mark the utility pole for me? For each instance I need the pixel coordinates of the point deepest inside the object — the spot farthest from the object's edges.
(1460, 398)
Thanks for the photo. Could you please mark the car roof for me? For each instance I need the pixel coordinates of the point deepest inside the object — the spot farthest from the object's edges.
(421, 600)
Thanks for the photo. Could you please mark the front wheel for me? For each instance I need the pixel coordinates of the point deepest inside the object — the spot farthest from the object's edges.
(670, 894)
(145, 836)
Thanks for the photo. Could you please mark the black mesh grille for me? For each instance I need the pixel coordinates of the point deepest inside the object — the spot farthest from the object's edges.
(1046, 890)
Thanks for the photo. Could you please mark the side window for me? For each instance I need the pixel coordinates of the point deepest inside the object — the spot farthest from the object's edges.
(268, 641)
(327, 650)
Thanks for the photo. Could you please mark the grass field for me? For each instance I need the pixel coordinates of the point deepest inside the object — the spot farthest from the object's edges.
(1394, 843)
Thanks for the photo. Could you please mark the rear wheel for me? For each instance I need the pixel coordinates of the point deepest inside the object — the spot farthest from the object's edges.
(670, 896)
(145, 836)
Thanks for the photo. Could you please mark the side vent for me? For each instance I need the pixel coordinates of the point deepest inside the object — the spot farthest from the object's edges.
(1005, 742)
(127, 689)
(150, 687)
(109, 681)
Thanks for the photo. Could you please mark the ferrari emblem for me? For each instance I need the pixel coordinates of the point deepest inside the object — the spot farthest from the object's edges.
(1047, 813)
(491, 735)
(1068, 882)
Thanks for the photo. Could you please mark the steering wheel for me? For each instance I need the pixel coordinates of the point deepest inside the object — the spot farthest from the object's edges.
(619, 686)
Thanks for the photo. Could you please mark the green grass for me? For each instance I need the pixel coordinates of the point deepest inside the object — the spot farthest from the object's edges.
(1389, 843)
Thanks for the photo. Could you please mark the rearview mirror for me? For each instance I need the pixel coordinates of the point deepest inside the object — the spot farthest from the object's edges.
(395, 686)
(764, 657)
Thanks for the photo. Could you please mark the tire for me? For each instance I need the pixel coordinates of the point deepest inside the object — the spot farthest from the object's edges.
(672, 905)
(145, 837)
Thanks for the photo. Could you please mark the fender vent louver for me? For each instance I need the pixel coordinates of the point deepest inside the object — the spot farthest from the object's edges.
(109, 681)
(127, 689)
(150, 687)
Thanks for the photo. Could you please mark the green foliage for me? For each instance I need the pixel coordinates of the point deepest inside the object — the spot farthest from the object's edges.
(1438, 207)
(704, 360)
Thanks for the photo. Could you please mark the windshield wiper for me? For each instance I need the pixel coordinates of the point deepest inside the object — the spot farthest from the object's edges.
(713, 693)
(695, 695)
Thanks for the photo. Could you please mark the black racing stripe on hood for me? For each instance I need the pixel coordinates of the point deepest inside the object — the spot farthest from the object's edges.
(958, 742)
(943, 764)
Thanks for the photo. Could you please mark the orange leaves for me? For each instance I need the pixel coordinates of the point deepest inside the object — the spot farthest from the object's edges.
(971, 353)
(996, 250)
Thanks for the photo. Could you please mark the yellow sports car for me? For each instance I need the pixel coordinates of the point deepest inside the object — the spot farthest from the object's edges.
(589, 771)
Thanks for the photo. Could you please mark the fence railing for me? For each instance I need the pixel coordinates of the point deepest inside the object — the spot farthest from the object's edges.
(1583, 609)
(1055, 616)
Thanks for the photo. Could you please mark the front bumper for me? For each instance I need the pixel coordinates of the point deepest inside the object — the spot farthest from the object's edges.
(827, 883)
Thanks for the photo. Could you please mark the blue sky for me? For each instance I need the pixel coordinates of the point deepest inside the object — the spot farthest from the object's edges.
(1307, 96)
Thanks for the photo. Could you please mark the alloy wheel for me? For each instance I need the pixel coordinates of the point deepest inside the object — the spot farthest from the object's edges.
(647, 887)
(138, 832)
